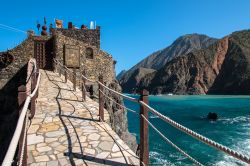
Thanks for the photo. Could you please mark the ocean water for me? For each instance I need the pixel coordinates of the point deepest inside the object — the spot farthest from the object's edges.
(232, 129)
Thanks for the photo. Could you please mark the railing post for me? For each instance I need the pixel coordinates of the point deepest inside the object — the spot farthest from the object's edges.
(144, 151)
(54, 65)
(74, 78)
(101, 100)
(60, 70)
(83, 86)
(66, 75)
(21, 99)
(33, 99)
(37, 74)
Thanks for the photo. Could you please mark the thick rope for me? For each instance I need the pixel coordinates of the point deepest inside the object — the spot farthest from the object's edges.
(199, 137)
(88, 79)
(118, 93)
(24, 139)
(118, 103)
(171, 143)
(14, 141)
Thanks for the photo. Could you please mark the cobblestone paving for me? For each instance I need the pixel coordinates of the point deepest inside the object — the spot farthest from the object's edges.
(66, 131)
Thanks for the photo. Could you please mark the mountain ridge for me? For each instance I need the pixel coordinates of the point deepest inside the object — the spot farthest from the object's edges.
(158, 59)
(222, 68)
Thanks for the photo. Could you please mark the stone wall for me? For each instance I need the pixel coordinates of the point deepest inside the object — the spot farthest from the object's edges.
(101, 64)
(12, 75)
(21, 55)
(87, 36)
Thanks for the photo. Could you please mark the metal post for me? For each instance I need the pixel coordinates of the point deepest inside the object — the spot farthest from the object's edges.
(144, 151)
(66, 75)
(74, 78)
(83, 86)
(21, 99)
(101, 100)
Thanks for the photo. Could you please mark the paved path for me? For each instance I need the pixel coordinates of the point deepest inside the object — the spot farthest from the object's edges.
(66, 131)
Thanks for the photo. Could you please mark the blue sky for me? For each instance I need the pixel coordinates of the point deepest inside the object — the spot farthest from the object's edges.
(131, 29)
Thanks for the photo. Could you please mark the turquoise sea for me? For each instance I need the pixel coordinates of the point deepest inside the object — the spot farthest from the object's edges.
(232, 129)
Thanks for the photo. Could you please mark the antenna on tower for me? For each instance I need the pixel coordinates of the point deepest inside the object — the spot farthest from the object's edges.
(44, 20)
(92, 26)
(38, 25)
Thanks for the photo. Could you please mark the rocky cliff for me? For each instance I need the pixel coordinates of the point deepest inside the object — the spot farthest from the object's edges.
(190, 74)
(222, 68)
(158, 59)
(120, 75)
(133, 82)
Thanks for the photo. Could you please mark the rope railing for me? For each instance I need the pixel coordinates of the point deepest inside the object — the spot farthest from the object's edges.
(122, 106)
(197, 136)
(144, 126)
(15, 139)
(23, 143)
(118, 93)
(171, 143)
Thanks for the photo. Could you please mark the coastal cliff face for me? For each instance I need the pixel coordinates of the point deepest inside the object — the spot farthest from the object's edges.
(234, 76)
(191, 74)
(222, 68)
(181, 46)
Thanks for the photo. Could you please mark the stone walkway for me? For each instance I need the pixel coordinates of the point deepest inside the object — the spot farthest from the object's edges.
(66, 131)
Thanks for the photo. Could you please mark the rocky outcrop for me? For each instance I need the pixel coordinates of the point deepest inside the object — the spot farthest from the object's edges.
(222, 68)
(183, 45)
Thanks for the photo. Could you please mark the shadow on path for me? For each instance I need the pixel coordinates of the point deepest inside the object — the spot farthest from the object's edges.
(70, 154)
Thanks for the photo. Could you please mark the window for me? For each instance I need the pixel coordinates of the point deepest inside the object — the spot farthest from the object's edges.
(89, 53)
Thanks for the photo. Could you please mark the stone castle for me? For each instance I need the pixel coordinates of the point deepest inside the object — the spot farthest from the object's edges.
(76, 48)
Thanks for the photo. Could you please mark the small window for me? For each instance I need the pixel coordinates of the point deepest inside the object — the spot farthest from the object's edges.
(89, 53)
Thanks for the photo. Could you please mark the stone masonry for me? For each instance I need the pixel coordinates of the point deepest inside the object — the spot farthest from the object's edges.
(66, 130)
(102, 63)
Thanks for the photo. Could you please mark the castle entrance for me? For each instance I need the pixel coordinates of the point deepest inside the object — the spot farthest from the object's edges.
(44, 53)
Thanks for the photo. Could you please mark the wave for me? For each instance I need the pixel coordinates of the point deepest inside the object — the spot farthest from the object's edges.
(163, 160)
(159, 160)
(241, 146)
(228, 160)
(235, 120)
(153, 116)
